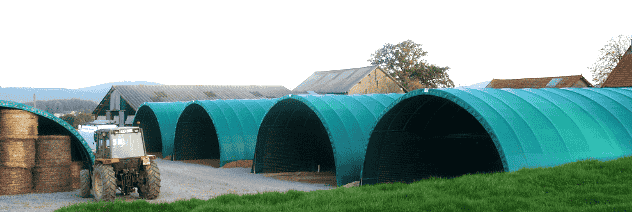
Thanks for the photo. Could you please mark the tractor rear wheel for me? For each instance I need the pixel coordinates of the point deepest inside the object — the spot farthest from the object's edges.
(84, 176)
(150, 188)
(104, 183)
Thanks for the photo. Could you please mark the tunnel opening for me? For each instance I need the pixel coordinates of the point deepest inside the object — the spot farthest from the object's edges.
(196, 136)
(151, 131)
(293, 139)
(427, 136)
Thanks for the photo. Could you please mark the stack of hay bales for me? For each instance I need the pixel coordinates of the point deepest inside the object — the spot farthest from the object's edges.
(18, 132)
(75, 169)
(52, 164)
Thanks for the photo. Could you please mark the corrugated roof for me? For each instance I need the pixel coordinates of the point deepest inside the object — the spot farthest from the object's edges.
(621, 75)
(338, 81)
(135, 95)
(544, 82)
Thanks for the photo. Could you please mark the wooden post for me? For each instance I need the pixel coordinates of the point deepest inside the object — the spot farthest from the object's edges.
(318, 167)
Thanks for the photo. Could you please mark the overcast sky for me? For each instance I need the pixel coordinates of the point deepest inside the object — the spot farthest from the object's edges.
(75, 44)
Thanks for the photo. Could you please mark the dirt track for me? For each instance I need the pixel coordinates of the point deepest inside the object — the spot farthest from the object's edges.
(180, 181)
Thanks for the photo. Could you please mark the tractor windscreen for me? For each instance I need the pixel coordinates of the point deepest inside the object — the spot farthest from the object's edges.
(126, 145)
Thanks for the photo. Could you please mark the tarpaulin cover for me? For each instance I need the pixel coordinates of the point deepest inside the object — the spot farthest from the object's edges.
(75, 137)
(158, 120)
(235, 122)
(346, 119)
(530, 128)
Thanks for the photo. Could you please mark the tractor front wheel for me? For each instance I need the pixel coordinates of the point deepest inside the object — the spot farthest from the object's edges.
(104, 183)
(150, 188)
(84, 176)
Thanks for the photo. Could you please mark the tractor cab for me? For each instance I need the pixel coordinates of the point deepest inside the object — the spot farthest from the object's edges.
(121, 142)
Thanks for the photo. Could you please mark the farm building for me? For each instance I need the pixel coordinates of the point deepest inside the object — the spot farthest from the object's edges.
(219, 130)
(450, 132)
(318, 133)
(122, 101)
(364, 80)
(573, 81)
(38, 151)
(158, 116)
(621, 75)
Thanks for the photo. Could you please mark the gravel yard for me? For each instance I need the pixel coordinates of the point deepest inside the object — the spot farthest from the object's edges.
(180, 181)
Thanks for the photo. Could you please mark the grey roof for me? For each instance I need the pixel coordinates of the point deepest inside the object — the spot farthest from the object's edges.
(135, 95)
(338, 81)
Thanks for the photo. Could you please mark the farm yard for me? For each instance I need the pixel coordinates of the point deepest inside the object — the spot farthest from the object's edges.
(394, 142)
(180, 181)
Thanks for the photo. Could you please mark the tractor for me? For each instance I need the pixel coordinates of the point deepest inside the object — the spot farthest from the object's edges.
(121, 162)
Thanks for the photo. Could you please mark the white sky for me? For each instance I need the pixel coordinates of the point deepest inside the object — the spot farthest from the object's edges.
(74, 44)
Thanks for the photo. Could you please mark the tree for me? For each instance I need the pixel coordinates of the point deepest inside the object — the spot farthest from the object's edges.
(70, 119)
(403, 62)
(611, 54)
(83, 118)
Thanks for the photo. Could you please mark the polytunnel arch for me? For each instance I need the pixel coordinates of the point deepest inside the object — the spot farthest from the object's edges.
(220, 129)
(292, 138)
(196, 136)
(338, 125)
(527, 128)
(158, 121)
(48, 124)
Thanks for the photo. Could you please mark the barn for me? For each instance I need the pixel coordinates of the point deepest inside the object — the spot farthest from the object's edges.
(572, 81)
(326, 133)
(156, 108)
(365, 80)
(621, 75)
(48, 124)
(223, 130)
(450, 132)
(158, 121)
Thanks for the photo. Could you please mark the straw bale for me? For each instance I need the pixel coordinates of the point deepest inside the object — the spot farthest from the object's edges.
(75, 169)
(15, 180)
(18, 122)
(52, 150)
(17, 152)
(51, 179)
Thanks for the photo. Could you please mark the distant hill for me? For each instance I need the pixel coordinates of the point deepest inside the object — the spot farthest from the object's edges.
(92, 93)
(65, 105)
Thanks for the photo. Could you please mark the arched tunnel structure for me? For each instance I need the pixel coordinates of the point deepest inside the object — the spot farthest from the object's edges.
(220, 129)
(302, 131)
(158, 121)
(450, 132)
(48, 124)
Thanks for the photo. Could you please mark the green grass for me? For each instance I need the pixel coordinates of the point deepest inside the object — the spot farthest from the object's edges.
(588, 185)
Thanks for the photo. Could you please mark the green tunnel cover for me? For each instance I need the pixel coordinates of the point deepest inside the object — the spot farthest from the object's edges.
(236, 122)
(544, 127)
(166, 116)
(74, 135)
(347, 120)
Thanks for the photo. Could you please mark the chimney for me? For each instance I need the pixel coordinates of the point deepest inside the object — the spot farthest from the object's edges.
(34, 100)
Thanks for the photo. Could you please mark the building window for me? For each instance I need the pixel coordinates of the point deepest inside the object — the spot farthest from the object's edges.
(553, 82)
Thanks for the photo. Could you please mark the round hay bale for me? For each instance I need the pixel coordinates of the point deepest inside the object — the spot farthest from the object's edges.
(51, 179)
(17, 122)
(75, 169)
(17, 152)
(52, 150)
(15, 180)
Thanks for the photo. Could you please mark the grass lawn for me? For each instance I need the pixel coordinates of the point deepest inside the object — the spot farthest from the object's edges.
(588, 185)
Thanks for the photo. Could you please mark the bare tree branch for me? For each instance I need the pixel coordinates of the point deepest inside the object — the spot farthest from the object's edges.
(611, 54)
